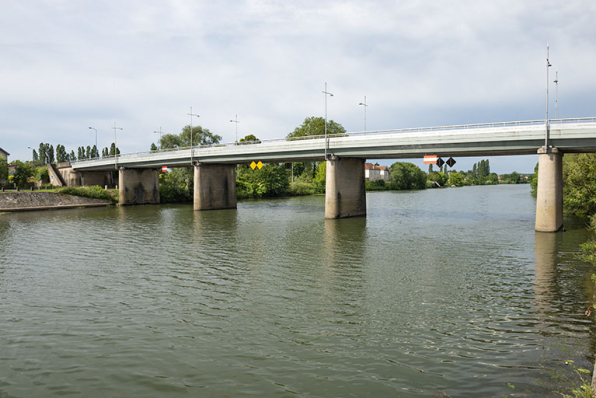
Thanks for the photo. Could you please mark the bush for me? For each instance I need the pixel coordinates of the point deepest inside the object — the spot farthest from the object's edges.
(301, 189)
(93, 192)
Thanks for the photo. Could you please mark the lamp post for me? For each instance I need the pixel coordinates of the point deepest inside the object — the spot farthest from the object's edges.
(191, 148)
(236, 121)
(556, 81)
(116, 146)
(96, 148)
(160, 133)
(548, 65)
(326, 139)
(365, 106)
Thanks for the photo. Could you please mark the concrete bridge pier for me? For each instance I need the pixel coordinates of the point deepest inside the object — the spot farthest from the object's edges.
(345, 190)
(549, 195)
(214, 186)
(138, 186)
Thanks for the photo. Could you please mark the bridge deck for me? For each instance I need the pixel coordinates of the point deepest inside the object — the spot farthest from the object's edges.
(511, 138)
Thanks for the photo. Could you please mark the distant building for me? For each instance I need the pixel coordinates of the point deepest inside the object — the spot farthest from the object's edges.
(12, 168)
(3, 153)
(373, 173)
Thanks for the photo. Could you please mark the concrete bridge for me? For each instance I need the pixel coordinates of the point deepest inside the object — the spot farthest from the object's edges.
(214, 165)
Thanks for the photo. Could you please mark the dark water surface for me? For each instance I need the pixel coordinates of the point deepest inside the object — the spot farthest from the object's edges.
(437, 293)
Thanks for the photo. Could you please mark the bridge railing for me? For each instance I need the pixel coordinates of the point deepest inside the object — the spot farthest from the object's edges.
(351, 134)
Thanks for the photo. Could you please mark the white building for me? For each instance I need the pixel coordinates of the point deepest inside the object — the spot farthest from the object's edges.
(373, 173)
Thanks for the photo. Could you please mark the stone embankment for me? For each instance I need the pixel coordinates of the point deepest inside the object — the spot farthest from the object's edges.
(24, 201)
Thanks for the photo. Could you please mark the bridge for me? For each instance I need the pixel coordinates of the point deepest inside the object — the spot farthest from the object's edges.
(214, 165)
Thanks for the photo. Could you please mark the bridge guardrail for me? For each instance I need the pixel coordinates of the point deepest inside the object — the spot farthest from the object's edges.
(350, 134)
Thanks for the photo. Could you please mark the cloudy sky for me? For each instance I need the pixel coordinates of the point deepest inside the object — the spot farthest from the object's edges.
(67, 65)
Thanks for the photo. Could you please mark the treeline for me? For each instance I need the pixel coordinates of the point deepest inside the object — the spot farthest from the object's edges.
(47, 154)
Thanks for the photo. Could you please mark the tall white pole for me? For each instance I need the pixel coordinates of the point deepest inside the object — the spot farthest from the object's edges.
(326, 138)
(160, 134)
(556, 94)
(116, 146)
(236, 121)
(547, 127)
(365, 106)
(191, 147)
(96, 148)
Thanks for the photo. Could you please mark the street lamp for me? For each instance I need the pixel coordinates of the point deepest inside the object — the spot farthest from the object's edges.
(191, 148)
(365, 106)
(160, 133)
(326, 139)
(548, 65)
(556, 81)
(96, 148)
(116, 146)
(236, 121)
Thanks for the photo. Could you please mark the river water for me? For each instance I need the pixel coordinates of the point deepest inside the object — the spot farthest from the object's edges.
(436, 293)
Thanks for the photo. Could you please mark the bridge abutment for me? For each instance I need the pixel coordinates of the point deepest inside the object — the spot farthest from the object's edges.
(214, 186)
(138, 186)
(549, 193)
(345, 191)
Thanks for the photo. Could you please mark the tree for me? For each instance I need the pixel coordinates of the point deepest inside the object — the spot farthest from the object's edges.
(438, 177)
(43, 159)
(22, 173)
(271, 180)
(406, 175)
(35, 156)
(320, 178)
(3, 170)
(579, 184)
(250, 139)
(50, 153)
(114, 150)
(456, 178)
(72, 156)
(153, 147)
(313, 126)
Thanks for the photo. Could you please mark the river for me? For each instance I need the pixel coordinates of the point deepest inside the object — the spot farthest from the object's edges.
(436, 293)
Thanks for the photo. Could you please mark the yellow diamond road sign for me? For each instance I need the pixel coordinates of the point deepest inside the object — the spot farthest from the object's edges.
(253, 165)
(259, 165)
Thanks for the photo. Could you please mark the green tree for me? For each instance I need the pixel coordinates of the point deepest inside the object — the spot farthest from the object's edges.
(72, 157)
(43, 158)
(313, 126)
(438, 177)
(320, 178)
(113, 150)
(456, 178)
(250, 139)
(271, 180)
(579, 184)
(405, 175)
(50, 153)
(22, 173)
(534, 181)
(3, 170)
(153, 147)
(200, 136)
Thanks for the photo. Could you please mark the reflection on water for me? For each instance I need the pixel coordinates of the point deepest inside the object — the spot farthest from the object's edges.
(435, 293)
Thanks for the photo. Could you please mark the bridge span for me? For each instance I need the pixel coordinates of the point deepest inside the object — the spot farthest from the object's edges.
(214, 165)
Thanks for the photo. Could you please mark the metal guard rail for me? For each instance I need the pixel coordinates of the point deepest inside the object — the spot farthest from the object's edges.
(357, 133)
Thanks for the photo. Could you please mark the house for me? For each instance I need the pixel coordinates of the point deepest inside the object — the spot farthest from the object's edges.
(373, 172)
(4, 154)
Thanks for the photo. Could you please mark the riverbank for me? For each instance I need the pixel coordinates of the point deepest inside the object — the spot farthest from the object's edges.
(28, 201)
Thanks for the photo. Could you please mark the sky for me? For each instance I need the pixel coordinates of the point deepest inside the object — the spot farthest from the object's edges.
(66, 66)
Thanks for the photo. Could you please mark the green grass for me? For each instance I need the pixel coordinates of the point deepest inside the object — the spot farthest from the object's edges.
(93, 192)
